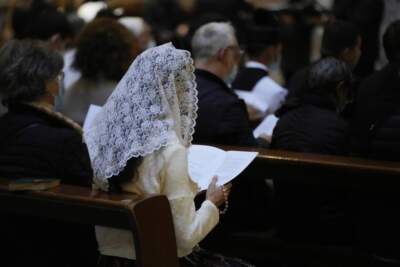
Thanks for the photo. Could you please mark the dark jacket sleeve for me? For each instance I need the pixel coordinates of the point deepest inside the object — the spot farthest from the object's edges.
(235, 125)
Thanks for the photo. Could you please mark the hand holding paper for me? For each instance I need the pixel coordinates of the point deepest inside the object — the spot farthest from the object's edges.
(207, 161)
(215, 193)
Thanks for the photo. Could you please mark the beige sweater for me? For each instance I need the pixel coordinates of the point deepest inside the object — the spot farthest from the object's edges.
(165, 172)
(82, 94)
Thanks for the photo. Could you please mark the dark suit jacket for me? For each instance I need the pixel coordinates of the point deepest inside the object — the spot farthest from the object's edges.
(222, 116)
(376, 123)
(376, 134)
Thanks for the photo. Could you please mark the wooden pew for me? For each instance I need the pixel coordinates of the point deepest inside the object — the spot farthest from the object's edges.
(149, 219)
(371, 190)
(275, 162)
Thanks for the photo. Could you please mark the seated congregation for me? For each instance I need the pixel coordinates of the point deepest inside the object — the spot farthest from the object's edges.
(321, 192)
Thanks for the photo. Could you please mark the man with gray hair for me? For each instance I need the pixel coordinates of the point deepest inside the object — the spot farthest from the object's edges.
(222, 116)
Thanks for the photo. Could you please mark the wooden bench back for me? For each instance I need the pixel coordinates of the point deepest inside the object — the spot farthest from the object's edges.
(275, 164)
(368, 189)
(149, 219)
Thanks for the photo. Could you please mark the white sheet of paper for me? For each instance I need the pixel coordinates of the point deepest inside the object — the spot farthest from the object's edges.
(266, 95)
(207, 161)
(268, 91)
(266, 126)
(251, 99)
(91, 114)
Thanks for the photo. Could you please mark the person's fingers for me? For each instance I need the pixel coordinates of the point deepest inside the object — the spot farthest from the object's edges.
(228, 186)
(213, 184)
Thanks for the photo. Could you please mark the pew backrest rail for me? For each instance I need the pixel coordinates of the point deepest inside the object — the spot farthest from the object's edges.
(149, 219)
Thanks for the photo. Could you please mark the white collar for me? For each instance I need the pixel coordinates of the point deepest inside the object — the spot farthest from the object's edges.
(257, 65)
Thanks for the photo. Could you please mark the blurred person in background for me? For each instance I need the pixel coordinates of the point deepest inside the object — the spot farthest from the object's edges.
(376, 135)
(264, 50)
(320, 212)
(222, 116)
(342, 40)
(315, 124)
(104, 50)
(141, 30)
(391, 13)
(42, 21)
(367, 16)
(377, 116)
(223, 120)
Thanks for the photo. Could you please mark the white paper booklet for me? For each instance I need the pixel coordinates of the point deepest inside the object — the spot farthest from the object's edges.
(266, 96)
(207, 161)
(91, 114)
(266, 126)
(251, 99)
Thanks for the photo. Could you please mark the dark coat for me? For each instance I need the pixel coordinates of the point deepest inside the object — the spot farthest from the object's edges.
(222, 116)
(312, 212)
(376, 123)
(314, 127)
(376, 134)
(33, 144)
(298, 84)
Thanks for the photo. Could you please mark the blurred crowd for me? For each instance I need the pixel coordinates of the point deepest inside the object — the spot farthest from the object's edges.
(326, 72)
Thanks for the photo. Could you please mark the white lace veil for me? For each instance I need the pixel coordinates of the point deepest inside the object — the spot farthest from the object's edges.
(155, 101)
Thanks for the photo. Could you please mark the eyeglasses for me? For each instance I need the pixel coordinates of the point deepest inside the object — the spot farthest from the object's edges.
(238, 53)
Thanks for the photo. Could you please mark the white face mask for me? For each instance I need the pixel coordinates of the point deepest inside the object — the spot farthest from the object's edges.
(276, 65)
(151, 44)
(59, 100)
(232, 75)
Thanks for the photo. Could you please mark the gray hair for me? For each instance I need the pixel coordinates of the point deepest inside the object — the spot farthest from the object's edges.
(25, 69)
(212, 37)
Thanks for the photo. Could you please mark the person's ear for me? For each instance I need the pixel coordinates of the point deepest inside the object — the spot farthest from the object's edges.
(222, 55)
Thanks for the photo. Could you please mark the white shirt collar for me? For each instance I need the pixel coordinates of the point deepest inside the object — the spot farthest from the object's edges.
(257, 65)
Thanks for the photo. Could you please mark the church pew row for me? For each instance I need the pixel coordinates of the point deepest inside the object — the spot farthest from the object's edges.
(369, 190)
(82, 205)
(149, 219)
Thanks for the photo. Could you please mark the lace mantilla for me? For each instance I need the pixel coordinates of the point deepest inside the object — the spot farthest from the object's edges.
(155, 100)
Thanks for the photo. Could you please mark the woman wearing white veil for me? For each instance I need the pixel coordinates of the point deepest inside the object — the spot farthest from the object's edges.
(138, 143)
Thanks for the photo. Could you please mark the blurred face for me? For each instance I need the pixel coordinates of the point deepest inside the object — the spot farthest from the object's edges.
(53, 87)
(235, 53)
(352, 56)
(145, 39)
(272, 56)
(232, 56)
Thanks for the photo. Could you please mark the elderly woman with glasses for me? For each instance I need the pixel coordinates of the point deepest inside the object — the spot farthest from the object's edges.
(37, 142)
